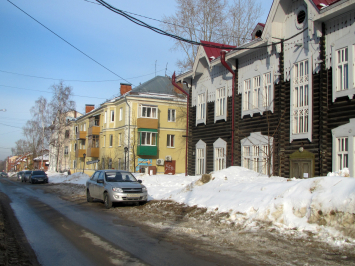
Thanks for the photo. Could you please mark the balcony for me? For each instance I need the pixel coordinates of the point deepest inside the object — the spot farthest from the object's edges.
(147, 123)
(81, 135)
(147, 150)
(79, 153)
(94, 130)
(93, 152)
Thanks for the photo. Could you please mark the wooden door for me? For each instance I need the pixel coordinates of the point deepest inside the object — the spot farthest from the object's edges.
(301, 168)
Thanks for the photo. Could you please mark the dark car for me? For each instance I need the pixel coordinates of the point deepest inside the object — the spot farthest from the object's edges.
(3, 174)
(26, 176)
(38, 176)
(115, 186)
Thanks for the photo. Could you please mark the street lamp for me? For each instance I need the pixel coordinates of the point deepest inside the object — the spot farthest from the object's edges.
(84, 161)
(125, 157)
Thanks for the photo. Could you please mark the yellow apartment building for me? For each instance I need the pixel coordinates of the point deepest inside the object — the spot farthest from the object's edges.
(141, 131)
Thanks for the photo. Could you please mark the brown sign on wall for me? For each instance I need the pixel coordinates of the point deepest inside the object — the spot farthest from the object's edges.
(169, 167)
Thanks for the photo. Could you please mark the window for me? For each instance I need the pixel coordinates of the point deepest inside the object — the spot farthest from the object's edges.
(256, 91)
(301, 102)
(148, 138)
(342, 69)
(221, 101)
(95, 139)
(75, 146)
(148, 111)
(104, 141)
(97, 121)
(255, 152)
(170, 143)
(112, 116)
(201, 106)
(105, 117)
(111, 140)
(220, 154)
(82, 144)
(76, 129)
(121, 113)
(84, 127)
(66, 150)
(267, 85)
(247, 94)
(342, 153)
(67, 134)
(74, 164)
(200, 158)
(171, 115)
(119, 139)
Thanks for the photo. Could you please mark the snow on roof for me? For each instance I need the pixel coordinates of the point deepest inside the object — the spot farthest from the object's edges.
(39, 158)
(212, 52)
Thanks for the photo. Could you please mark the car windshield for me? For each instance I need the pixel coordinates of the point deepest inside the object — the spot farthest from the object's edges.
(38, 173)
(27, 172)
(119, 177)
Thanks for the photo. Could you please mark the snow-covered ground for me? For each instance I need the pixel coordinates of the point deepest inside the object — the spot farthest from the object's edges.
(322, 205)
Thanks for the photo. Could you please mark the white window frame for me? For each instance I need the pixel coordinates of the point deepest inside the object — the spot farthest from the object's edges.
(200, 158)
(66, 150)
(267, 89)
(121, 114)
(84, 127)
(170, 139)
(144, 110)
(247, 95)
(201, 108)
(171, 115)
(256, 92)
(105, 120)
(342, 69)
(219, 154)
(255, 152)
(149, 135)
(345, 131)
(112, 116)
(221, 104)
(301, 100)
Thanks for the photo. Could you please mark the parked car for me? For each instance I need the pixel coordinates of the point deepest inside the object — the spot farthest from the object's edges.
(3, 174)
(26, 176)
(115, 186)
(38, 176)
(19, 175)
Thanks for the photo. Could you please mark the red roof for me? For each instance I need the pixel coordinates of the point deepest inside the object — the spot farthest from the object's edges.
(320, 3)
(212, 52)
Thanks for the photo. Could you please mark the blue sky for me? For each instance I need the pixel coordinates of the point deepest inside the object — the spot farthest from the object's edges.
(125, 48)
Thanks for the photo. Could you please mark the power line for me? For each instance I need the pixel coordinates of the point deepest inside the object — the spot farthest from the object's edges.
(68, 42)
(5, 148)
(162, 32)
(10, 126)
(74, 80)
(177, 25)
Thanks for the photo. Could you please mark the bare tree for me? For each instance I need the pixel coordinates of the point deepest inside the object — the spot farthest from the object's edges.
(61, 104)
(213, 21)
(32, 132)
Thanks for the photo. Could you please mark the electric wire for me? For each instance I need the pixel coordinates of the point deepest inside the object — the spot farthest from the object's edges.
(68, 42)
(162, 32)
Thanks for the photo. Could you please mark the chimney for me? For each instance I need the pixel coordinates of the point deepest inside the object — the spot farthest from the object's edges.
(89, 108)
(125, 87)
(74, 114)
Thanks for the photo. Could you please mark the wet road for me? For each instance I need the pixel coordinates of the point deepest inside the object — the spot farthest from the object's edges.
(64, 233)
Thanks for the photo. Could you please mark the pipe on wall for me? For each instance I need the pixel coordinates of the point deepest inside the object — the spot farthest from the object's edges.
(187, 116)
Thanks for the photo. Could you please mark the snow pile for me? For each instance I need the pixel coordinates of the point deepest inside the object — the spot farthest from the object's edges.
(76, 178)
(344, 172)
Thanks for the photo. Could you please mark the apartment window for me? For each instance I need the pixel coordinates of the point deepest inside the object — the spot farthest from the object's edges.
(221, 101)
(256, 91)
(342, 69)
(201, 106)
(342, 153)
(95, 140)
(170, 141)
(84, 127)
(121, 113)
(75, 146)
(148, 111)
(67, 134)
(267, 87)
(97, 121)
(265, 159)
(76, 129)
(111, 140)
(171, 115)
(200, 157)
(66, 150)
(301, 100)
(82, 144)
(119, 163)
(119, 139)
(105, 117)
(220, 154)
(112, 116)
(104, 142)
(74, 164)
(246, 157)
(148, 138)
(247, 94)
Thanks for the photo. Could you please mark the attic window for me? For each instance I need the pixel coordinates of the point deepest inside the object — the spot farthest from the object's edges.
(301, 17)
(258, 34)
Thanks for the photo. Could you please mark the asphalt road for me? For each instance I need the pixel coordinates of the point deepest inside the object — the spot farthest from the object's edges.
(65, 233)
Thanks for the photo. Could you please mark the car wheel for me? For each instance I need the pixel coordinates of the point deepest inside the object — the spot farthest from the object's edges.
(142, 202)
(107, 201)
(88, 197)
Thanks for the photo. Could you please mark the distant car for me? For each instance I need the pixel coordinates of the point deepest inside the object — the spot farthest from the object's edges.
(115, 186)
(3, 174)
(19, 175)
(38, 176)
(26, 176)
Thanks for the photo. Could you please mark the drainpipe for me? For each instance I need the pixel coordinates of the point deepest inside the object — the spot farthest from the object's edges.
(224, 63)
(129, 132)
(187, 116)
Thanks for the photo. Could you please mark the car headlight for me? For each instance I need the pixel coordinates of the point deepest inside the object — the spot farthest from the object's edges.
(144, 189)
(117, 189)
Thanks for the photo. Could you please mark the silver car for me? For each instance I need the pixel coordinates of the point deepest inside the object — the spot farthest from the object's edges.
(115, 186)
